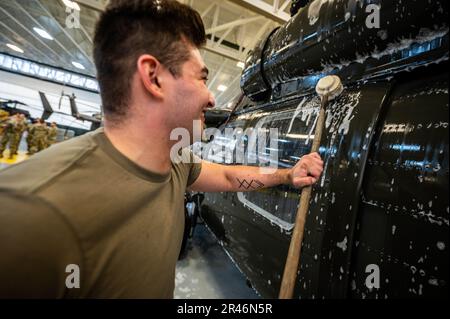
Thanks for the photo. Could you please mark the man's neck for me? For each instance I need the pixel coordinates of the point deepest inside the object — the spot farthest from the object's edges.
(149, 147)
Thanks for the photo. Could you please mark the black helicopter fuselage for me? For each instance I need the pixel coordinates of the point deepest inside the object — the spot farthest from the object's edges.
(381, 205)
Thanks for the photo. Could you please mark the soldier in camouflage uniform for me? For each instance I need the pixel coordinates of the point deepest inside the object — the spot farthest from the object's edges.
(4, 116)
(30, 129)
(39, 139)
(5, 124)
(51, 134)
(12, 134)
(19, 128)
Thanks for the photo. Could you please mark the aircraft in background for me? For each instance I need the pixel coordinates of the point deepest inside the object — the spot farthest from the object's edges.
(11, 107)
(95, 119)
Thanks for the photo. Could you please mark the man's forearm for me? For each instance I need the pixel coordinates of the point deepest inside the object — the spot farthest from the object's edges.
(235, 178)
(249, 178)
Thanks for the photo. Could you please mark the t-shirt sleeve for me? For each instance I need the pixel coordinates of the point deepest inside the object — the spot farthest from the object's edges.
(191, 163)
(37, 245)
(195, 169)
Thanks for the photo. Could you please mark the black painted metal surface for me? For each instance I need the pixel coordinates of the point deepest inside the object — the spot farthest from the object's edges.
(383, 196)
(403, 219)
(329, 35)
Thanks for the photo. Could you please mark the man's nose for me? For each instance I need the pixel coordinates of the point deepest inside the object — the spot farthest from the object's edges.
(211, 101)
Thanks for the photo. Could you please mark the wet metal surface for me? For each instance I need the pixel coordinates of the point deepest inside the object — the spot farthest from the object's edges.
(383, 197)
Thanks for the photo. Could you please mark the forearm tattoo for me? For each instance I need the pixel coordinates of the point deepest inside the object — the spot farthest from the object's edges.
(253, 184)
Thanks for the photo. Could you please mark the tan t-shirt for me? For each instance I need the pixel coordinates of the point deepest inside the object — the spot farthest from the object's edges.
(83, 203)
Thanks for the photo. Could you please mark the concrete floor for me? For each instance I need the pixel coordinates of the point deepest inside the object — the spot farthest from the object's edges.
(208, 273)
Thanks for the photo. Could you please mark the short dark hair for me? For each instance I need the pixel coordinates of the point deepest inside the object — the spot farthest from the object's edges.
(129, 28)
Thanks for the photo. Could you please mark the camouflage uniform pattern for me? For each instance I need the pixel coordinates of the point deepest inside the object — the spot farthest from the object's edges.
(51, 135)
(12, 134)
(39, 138)
(4, 117)
(30, 130)
(20, 126)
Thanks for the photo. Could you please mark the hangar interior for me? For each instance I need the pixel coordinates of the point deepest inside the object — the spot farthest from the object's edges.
(233, 28)
(40, 53)
(386, 155)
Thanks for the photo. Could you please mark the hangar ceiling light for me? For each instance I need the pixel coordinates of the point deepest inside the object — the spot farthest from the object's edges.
(15, 48)
(43, 33)
(222, 88)
(78, 65)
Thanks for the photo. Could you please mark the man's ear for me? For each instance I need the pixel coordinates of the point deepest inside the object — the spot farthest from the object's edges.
(149, 70)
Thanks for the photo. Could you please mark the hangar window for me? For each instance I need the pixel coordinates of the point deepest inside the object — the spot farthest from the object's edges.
(45, 72)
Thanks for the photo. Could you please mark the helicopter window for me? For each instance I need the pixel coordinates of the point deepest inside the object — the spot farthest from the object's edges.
(295, 135)
(294, 126)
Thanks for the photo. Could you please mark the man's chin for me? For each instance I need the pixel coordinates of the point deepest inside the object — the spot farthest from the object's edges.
(200, 123)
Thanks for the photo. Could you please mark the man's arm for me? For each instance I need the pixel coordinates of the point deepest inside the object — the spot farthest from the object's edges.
(237, 178)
